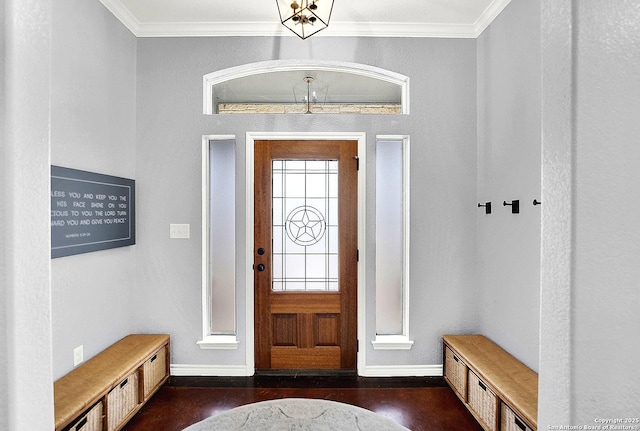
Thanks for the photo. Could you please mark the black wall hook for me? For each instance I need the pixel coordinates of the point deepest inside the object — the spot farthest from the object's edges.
(536, 202)
(487, 207)
(515, 206)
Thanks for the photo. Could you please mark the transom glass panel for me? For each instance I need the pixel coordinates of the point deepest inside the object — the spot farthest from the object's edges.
(305, 225)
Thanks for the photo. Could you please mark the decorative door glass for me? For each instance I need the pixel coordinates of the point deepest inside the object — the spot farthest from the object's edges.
(305, 225)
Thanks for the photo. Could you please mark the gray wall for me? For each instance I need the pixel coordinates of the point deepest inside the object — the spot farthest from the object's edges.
(607, 259)
(509, 167)
(4, 220)
(93, 90)
(607, 265)
(589, 267)
(25, 315)
(591, 242)
(442, 126)
(94, 118)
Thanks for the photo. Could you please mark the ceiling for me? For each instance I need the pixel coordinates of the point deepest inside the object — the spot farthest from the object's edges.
(370, 18)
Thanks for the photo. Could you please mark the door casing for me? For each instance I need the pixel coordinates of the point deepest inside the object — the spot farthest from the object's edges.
(251, 137)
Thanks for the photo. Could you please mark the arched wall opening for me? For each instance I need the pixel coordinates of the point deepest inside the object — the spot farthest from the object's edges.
(285, 83)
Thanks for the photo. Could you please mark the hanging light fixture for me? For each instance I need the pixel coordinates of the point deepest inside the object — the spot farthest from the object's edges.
(310, 92)
(305, 17)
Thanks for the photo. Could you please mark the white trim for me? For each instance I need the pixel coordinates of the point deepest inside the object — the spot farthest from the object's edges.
(206, 308)
(274, 28)
(209, 341)
(402, 341)
(362, 187)
(370, 371)
(392, 342)
(406, 202)
(242, 371)
(362, 246)
(211, 29)
(249, 238)
(219, 342)
(258, 68)
(403, 371)
(406, 240)
(490, 13)
(123, 14)
(210, 370)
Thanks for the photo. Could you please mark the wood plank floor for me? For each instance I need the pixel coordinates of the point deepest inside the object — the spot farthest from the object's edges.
(420, 404)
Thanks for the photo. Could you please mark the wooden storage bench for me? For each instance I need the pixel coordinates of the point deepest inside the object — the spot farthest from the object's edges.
(107, 390)
(500, 391)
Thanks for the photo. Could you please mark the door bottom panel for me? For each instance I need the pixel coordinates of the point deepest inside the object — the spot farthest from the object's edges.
(305, 358)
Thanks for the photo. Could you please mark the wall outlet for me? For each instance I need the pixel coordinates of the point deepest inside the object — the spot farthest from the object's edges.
(179, 231)
(78, 355)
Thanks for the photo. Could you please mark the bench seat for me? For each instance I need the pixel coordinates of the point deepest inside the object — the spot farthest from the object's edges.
(92, 380)
(513, 383)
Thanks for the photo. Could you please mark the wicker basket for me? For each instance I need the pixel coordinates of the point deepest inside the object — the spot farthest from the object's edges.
(510, 421)
(121, 401)
(155, 369)
(456, 373)
(90, 421)
(483, 402)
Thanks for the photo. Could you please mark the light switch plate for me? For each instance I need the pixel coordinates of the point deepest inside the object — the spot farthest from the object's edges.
(179, 231)
(78, 355)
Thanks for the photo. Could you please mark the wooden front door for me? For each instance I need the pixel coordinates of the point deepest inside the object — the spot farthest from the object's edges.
(305, 257)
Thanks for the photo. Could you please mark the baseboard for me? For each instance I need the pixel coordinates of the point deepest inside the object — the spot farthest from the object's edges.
(211, 370)
(402, 371)
(369, 371)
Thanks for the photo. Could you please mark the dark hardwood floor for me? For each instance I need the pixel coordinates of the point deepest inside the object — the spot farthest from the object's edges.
(420, 404)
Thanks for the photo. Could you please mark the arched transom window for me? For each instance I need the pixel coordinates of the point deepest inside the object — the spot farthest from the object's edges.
(293, 87)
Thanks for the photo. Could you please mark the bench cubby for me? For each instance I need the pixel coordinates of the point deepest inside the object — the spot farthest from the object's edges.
(103, 393)
(498, 390)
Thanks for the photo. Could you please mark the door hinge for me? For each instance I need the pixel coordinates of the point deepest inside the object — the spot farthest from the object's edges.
(357, 163)
(358, 255)
(357, 346)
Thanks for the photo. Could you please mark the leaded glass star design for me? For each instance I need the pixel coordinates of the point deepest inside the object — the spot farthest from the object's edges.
(305, 225)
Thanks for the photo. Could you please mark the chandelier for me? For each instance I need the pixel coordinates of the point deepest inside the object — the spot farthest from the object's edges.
(310, 92)
(305, 17)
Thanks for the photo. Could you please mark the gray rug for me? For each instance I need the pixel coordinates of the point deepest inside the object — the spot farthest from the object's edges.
(294, 414)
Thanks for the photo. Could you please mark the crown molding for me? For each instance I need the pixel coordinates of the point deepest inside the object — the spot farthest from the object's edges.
(220, 29)
(344, 29)
(123, 14)
(489, 14)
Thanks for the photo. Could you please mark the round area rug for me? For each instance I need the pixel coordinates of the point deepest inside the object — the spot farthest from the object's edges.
(296, 414)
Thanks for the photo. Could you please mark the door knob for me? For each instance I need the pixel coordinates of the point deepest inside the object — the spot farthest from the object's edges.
(261, 251)
(260, 267)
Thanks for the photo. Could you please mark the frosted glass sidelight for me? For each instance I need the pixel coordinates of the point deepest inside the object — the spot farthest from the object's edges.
(305, 225)
(222, 232)
(389, 238)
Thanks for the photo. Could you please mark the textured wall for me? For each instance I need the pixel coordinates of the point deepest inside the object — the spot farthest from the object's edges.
(591, 244)
(442, 130)
(509, 102)
(93, 129)
(4, 220)
(25, 314)
(556, 266)
(606, 299)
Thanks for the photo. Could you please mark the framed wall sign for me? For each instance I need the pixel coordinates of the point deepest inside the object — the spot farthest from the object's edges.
(90, 212)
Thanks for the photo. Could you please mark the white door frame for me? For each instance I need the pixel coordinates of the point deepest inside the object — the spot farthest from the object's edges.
(251, 137)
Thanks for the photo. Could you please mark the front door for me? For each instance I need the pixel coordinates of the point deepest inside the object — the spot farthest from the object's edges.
(305, 257)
